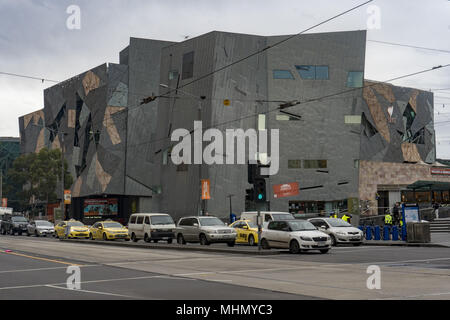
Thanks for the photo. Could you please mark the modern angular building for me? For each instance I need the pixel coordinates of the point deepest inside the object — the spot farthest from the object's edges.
(349, 143)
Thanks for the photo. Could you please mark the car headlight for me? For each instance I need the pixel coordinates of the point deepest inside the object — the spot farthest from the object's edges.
(341, 233)
(213, 231)
(306, 238)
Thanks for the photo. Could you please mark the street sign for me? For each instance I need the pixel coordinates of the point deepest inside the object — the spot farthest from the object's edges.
(67, 197)
(285, 190)
(206, 189)
(4, 202)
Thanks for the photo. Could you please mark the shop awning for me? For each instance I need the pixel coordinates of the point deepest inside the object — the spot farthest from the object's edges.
(422, 185)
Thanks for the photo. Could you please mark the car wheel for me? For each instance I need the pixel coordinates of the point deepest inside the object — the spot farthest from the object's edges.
(2, 231)
(231, 243)
(169, 241)
(155, 241)
(91, 237)
(324, 250)
(105, 238)
(203, 240)
(251, 240)
(180, 239)
(11, 232)
(265, 244)
(333, 240)
(36, 233)
(133, 237)
(294, 247)
(56, 235)
(147, 238)
(28, 234)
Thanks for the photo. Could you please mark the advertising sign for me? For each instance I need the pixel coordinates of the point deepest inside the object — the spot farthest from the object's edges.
(285, 190)
(206, 189)
(101, 207)
(6, 210)
(4, 202)
(67, 196)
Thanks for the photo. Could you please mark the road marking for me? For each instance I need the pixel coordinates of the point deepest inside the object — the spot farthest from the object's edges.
(406, 261)
(43, 269)
(43, 259)
(88, 291)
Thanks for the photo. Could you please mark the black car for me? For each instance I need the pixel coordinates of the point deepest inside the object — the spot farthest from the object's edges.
(13, 224)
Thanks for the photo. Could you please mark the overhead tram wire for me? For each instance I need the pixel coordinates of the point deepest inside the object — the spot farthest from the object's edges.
(409, 46)
(28, 77)
(152, 98)
(291, 104)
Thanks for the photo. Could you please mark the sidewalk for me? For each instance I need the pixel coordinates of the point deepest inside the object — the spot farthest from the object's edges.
(438, 240)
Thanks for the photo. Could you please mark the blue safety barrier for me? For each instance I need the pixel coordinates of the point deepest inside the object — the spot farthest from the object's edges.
(395, 233)
(386, 233)
(403, 233)
(368, 233)
(377, 233)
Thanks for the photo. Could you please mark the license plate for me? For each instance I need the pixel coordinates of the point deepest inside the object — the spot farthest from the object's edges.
(321, 243)
(355, 238)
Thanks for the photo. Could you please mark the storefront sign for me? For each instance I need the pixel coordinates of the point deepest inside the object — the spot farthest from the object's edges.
(440, 171)
(67, 197)
(285, 190)
(101, 207)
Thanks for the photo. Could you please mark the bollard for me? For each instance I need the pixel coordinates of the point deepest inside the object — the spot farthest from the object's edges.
(395, 233)
(386, 233)
(403, 233)
(377, 233)
(368, 233)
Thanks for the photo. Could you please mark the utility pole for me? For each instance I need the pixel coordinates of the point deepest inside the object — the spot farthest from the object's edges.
(231, 210)
(63, 209)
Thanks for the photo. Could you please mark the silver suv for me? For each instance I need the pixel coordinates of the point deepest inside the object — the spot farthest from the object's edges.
(204, 229)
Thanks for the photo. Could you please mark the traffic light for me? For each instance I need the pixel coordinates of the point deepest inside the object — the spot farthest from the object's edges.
(249, 194)
(260, 190)
(252, 171)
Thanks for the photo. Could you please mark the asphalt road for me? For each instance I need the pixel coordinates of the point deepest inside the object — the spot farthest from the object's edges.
(110, 272)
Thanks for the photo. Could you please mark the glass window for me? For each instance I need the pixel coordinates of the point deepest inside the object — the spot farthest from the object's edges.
(162, 220)
(351, 119)
(261, 122)
(355, 79)
(209, 222)
(306, 72)
(315, 164)
(188, 65)
(294, 164)
(282, 74)
(140, 220)
(321, 72)
(147, 220)
(133, 219)
(173, 75)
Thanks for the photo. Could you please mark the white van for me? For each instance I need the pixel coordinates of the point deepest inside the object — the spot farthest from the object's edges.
(267, 216)
(151, 226)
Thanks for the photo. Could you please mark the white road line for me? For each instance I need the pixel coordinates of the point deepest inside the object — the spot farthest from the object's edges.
(405, 261)
(88, 291)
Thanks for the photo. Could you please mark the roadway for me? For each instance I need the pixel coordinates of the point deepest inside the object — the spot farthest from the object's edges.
(36, 268)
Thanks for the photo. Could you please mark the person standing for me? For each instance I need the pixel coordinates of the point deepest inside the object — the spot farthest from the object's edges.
(396, 213)
(436, 210)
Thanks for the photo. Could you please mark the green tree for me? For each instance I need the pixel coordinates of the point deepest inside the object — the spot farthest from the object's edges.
(38, 174)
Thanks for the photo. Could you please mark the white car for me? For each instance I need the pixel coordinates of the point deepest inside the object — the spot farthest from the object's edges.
(40, 228)
(295, 235)
(339, 230)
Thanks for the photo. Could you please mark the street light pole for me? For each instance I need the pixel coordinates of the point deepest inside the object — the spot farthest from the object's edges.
(63, 209)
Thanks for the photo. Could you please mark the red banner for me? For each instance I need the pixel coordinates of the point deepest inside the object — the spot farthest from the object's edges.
(285, 190)
(4, 202)
(440, 171)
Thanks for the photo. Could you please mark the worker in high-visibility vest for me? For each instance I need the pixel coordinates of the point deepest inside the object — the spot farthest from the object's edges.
(346, 218)
(388, 219)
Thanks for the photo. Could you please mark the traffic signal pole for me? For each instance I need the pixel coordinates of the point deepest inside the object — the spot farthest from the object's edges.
(258, 219)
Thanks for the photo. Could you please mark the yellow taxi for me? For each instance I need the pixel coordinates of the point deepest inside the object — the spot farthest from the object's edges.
(73, 228)
(108, 230)
(247, 232)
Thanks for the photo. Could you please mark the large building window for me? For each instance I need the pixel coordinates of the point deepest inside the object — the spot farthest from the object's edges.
(355, 79)
(188, 65)
(313, 72)
(282, 74)
(294, 164)
(315, 164)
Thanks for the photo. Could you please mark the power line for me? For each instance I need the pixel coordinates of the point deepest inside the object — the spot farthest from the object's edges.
(152, 98)
(409, 46)
(28, 77)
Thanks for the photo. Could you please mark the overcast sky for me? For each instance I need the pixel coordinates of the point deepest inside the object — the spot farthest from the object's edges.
(35, 41)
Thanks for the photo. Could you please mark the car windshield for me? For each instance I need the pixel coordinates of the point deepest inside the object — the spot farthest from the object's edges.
(18, 219)
(162, 220)
(44, 224)
(281, 216)
(211, 222)
(112, 225)
(75, 224)
(252, 225)
(338, 223)
(301, 226)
